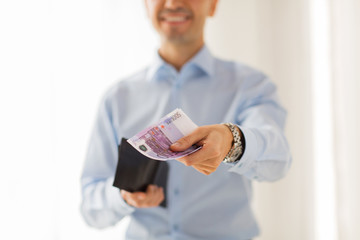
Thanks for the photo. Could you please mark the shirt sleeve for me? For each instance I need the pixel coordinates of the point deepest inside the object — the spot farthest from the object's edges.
(102, 204)
(261, 119)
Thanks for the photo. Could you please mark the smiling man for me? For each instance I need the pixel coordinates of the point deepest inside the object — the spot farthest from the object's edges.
(208, 193)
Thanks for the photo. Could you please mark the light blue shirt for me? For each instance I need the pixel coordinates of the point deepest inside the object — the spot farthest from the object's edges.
(209, 91)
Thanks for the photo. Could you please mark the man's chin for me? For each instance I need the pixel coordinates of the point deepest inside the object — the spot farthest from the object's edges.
(176, 38)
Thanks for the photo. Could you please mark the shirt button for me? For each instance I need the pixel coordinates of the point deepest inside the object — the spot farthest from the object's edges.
(175, 227)
(176, 191)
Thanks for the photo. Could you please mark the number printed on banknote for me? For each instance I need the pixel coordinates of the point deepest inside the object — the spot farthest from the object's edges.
(154, 141)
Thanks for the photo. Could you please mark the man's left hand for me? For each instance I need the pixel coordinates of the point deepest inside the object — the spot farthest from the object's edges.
(216, 141)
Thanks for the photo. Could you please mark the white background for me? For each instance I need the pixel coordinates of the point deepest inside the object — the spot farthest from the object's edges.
(58, 57)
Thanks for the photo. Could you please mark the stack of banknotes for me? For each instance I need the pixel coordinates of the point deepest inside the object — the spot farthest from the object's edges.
(154, 141)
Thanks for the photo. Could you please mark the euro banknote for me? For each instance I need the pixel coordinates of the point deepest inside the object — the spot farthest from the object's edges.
(154, 141)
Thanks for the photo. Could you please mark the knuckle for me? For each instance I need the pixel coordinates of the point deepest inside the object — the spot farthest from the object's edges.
(188, 163)
(206, 146)
(205, 172)
(134, 203)
(216, 153)
(212, 150)
(181, 160)
(203, 131)
(199, 130)
(186, 140)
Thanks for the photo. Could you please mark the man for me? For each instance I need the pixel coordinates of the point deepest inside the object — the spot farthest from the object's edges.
(208, 192)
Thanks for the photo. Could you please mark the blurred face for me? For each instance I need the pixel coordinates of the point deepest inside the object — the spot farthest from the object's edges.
(180, 21)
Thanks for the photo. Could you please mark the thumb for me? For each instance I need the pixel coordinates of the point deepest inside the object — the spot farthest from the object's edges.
(187, 141)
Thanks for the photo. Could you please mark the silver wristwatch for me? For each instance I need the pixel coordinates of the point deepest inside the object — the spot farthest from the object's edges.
(237, 147)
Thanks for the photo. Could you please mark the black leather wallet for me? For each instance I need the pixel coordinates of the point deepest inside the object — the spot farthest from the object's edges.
(134, 171)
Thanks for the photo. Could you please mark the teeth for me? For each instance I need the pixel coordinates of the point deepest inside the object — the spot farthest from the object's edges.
(175, 19)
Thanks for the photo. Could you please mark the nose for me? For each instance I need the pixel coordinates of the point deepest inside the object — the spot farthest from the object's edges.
(173, 4)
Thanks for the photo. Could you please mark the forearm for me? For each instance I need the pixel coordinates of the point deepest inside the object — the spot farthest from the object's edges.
(102, 204)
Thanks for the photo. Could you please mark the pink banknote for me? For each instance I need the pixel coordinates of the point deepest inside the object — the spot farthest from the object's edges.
(154, 141)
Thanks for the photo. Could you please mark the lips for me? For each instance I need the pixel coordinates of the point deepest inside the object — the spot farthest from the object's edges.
(174, 19)
(175, 16)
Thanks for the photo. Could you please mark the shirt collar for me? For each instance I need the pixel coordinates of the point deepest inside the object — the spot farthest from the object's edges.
(203, 60)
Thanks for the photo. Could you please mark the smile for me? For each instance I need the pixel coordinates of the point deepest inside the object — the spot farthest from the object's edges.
(177, 16)
(175, 19)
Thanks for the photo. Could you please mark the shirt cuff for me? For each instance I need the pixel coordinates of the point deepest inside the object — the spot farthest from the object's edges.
(247, 161)
(115, 199)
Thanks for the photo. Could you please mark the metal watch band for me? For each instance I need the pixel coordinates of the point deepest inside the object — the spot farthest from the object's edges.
(237, 147)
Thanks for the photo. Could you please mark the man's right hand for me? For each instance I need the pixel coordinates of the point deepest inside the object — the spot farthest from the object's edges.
(153, 196)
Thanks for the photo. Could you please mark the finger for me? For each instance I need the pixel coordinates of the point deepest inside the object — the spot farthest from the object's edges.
(189, 140)
(131, 200)
(210, 163)
(139, 195)
(153, 201)
(207, 152)
(135, 199)
(125, 194)
(150, 191)
(152, 198)
(159, 196)
(205, 167)
(204, 171)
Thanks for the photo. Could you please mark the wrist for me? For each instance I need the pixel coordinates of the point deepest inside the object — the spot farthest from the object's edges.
(237, 146)
(229, 138)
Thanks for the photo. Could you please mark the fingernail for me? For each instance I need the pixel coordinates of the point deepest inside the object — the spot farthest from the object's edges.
(176, 144)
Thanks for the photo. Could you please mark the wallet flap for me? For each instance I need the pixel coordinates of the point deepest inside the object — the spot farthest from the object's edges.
(134, 171)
